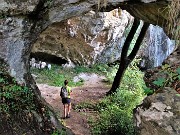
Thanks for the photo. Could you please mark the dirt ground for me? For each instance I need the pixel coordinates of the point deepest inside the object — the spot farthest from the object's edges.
(92, 91)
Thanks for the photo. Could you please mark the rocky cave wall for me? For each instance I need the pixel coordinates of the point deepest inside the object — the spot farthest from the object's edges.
(159, 113)
(98, 38)
(22, 21)
(87, 39)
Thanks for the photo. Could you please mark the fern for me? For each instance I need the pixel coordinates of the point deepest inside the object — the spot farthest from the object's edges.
(159, 82)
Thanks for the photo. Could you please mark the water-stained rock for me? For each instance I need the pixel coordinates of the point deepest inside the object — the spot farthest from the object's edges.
(156, 47)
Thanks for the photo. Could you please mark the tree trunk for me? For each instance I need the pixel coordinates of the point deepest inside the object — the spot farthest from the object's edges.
(138, 42)
(126, 60)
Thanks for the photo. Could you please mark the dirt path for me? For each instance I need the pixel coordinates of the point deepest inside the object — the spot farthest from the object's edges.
(92, 90)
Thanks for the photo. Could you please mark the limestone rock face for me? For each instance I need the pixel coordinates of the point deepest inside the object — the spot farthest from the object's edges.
(156, 47)
(98, 38)
(159, 114)
(174, 58)
(86, 39)
(18, 6)
(22, 21)
(32, 17)
(13, 46)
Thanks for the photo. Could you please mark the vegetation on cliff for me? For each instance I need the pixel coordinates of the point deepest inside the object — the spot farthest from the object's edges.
(20, 111)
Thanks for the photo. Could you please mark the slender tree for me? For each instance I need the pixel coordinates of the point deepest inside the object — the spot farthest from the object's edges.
(125, 60)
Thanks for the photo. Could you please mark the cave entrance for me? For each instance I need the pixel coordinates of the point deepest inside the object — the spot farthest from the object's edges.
(48, 58)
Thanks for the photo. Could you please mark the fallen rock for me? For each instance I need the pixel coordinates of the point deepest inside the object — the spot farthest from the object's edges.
(159, 114)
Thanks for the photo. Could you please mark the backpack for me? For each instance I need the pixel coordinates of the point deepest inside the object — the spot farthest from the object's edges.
(64, 92)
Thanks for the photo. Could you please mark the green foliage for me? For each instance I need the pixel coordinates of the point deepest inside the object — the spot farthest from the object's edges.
(14, 98)
(80, 69)
(2, 80)
(84, 105)
(56, 132)
(178, 71)
(113, 120)
(160, 82)
(148, 91)
(116, 111)
(110, 73)
(116, 114)
(97, 68)
(169, 75)
(48, 3)
(57, 74)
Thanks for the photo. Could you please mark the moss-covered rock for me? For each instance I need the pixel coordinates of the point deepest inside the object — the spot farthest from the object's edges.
(21, 112)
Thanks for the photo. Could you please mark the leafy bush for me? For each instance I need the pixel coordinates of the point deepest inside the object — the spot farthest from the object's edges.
(110, 74)
(113, 120)
(13, 97)
(148, 91)
(169, 76)
(56, 132)
(116, 111)
(159, 82)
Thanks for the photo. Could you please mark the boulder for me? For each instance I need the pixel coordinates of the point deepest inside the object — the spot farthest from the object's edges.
(159, 114)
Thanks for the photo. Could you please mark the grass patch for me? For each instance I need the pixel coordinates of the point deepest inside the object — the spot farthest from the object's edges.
(85, 105)
(57, 75)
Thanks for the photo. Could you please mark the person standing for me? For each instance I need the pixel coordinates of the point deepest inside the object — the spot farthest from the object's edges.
(66, 98)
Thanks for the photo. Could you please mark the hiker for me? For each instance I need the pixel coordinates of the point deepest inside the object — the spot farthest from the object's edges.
(66, 98)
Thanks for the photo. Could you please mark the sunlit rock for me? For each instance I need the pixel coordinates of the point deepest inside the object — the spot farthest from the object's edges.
(156, 47)
(93, 37)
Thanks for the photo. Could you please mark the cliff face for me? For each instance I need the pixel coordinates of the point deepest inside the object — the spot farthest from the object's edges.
(159, 113)
(93, 37)
(156, 47)
(23, 20)
(98, 38)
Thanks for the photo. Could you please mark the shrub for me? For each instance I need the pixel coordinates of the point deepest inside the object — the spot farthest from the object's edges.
(14, 97)
(116, 111)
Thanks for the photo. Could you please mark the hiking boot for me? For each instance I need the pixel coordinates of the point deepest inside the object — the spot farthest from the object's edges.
(68, 116)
